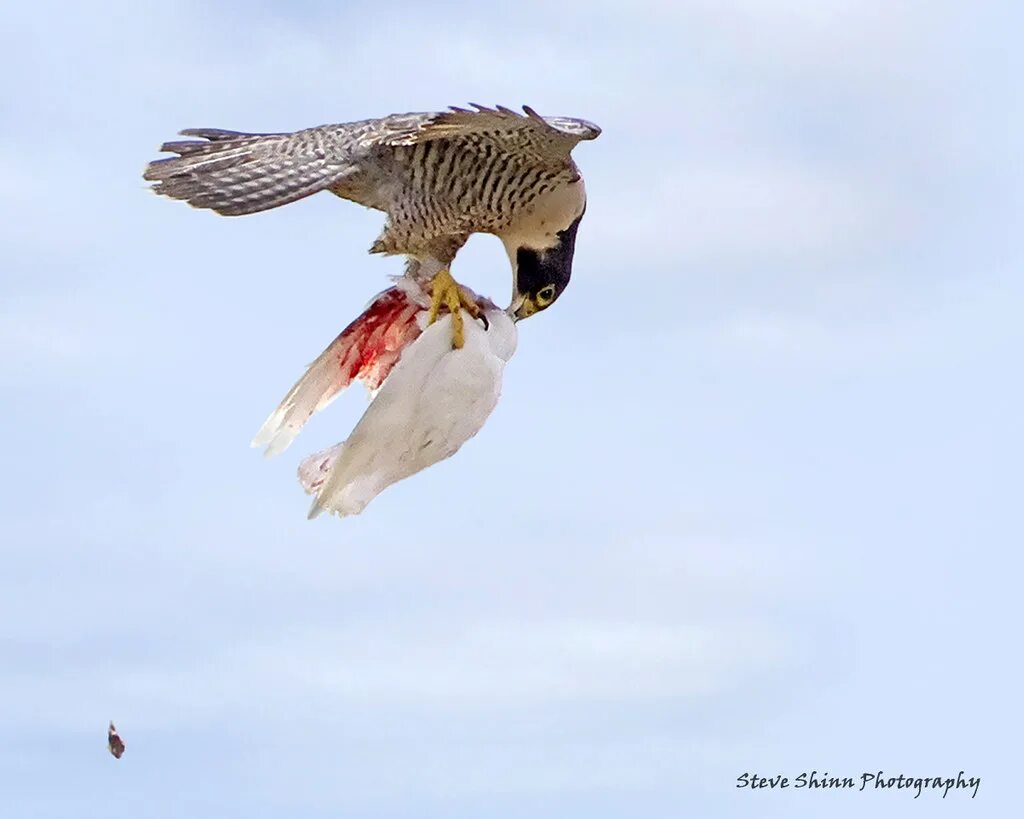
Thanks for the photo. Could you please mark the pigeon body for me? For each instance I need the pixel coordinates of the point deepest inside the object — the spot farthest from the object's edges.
(434, 400)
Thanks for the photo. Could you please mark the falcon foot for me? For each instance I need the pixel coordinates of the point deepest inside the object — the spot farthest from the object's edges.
(446, 291)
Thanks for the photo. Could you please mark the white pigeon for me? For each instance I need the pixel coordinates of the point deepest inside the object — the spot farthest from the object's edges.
(431, 398)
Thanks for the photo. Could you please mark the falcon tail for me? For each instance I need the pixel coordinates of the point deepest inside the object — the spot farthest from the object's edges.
(366, 350)
(235, 173)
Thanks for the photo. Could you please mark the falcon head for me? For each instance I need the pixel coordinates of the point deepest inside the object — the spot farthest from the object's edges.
(540, 247)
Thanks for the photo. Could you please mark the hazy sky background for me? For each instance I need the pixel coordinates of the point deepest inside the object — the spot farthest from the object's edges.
(750, 502)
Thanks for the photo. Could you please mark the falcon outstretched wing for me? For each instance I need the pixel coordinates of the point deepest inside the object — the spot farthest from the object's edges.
(236, 173)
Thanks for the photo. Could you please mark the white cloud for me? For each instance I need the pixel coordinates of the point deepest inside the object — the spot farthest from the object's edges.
(515, 663)
(491, 666)
(42, 334)
(773, 214)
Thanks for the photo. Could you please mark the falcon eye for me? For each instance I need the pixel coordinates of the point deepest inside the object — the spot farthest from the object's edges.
(545, 295)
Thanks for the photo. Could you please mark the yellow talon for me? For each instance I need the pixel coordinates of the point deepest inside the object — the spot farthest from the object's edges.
(445, 290)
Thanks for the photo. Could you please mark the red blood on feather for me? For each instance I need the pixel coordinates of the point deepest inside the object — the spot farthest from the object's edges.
(372, 344)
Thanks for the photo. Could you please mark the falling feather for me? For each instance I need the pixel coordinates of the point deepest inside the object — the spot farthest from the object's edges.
(114, 742)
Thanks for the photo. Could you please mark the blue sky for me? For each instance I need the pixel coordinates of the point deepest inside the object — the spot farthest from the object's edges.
(750, 501)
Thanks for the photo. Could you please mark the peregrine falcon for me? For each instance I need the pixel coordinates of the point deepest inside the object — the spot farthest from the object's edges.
(430, 399)
(439, 177)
